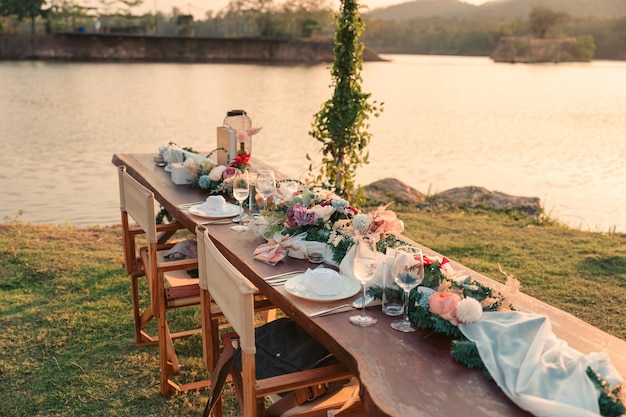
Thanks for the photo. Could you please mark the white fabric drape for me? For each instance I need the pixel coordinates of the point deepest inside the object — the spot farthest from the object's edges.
(538, 371)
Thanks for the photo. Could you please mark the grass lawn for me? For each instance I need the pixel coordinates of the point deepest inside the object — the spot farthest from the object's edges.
(67, 346)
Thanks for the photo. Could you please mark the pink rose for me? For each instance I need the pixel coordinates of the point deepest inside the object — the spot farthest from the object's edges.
(229, 172)
(385, 222)
(444, 304)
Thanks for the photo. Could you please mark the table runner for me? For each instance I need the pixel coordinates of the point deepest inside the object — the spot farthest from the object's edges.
(538, 371)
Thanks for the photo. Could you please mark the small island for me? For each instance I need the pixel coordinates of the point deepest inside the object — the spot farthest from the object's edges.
(535, 50)
(541, 46)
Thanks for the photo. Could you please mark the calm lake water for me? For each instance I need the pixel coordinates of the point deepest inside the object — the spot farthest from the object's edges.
(556, 132)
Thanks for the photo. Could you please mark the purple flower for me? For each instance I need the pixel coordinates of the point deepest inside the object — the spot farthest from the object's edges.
(298, 215)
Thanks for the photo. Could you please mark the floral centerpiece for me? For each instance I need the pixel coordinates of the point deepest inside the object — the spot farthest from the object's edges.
(214, 177)
(327, 218)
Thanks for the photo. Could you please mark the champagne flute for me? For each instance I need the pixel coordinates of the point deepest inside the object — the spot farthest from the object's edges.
(364, 267)
(241, 191)
(265, 184)
(408, 272)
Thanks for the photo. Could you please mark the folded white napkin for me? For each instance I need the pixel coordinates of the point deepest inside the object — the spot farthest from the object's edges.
(215, 203)
(321, 281)
(539, 372)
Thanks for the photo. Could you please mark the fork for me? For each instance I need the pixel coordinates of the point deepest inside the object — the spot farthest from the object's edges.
(279, 277)
(329, 310)
(187, 205)
(218, 221)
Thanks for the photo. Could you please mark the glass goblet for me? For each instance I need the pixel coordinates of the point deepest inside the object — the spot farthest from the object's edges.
(364, 268)
(408, 272)
(241, 191)
(265, 185)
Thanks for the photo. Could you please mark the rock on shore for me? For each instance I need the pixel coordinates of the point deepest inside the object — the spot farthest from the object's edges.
(391, 189)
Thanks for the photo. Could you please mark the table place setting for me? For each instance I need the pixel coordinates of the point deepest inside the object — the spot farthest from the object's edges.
(214, 207)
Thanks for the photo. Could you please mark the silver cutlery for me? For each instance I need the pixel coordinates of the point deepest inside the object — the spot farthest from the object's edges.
(329, 310)
(279, 277)
(188, 205)
(358, 303)
(279, 282)
(219, 221)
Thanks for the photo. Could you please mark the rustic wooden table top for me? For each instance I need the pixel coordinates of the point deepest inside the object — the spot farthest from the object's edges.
(401, 374)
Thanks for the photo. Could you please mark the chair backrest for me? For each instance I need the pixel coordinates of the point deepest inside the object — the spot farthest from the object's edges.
(232, 291)
(234, 294)
(138, 202)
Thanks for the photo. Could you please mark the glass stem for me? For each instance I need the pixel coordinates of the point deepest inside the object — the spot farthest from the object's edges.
(363, 305)
(406, 305)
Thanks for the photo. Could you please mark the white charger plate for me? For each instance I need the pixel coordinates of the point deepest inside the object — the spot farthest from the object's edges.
(202, 210)
(347, 288)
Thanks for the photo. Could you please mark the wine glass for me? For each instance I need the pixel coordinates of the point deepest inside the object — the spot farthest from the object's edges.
(408, 272)
(241, 191)
(364, 267)
(265, 184)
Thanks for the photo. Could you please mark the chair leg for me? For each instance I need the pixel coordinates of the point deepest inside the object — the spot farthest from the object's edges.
(172, 359)
(134, 289)
(140, 319)
(167, 367)
(210, 333)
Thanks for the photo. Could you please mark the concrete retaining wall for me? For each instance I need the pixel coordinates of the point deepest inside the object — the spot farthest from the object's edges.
(113, 47)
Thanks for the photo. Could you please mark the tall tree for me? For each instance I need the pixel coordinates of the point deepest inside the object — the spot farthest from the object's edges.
(341, 124)
(542, 19)
(23, 8)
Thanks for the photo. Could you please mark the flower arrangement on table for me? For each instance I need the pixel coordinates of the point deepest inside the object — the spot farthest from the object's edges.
(325, 217)
(214, 177)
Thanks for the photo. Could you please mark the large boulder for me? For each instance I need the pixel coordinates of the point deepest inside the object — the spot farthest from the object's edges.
(390, 189)
(479, 197)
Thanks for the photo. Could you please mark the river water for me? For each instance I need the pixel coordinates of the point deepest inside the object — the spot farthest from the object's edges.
(553, 131)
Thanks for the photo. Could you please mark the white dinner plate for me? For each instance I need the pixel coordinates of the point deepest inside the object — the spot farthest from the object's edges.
(347, 288)
(202, 210)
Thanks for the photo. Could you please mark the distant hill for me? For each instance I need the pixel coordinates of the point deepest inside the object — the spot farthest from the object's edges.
(499, 9)
(425, 8)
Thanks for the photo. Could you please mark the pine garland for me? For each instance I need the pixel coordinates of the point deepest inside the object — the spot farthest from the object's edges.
(609, 401)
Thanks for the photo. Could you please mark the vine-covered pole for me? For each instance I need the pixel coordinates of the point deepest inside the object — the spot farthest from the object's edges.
(342, 125)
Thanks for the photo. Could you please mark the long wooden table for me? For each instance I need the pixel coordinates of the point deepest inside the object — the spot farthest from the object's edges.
(401, 375)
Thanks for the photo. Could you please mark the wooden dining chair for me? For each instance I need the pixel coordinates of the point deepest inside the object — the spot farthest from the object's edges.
(169, 284)
(234, 294)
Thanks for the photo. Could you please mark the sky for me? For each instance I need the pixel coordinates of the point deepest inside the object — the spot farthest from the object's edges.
(199, 7)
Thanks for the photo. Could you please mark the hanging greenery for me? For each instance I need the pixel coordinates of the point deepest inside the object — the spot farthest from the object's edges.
(342, 125)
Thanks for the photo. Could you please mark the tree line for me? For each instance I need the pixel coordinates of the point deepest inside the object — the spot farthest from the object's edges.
(479, 37)
(298, 19)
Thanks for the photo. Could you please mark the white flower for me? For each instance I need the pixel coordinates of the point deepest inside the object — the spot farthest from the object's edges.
(469, 310)
(323, 212)
(216, 173)
(361, 222)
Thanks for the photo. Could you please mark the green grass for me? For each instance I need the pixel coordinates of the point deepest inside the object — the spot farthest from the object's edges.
(67, 345)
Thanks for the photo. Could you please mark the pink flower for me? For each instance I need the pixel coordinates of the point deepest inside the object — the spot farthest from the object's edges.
(444, 304)
(384, 222)
(229, 172)
(241, 136)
